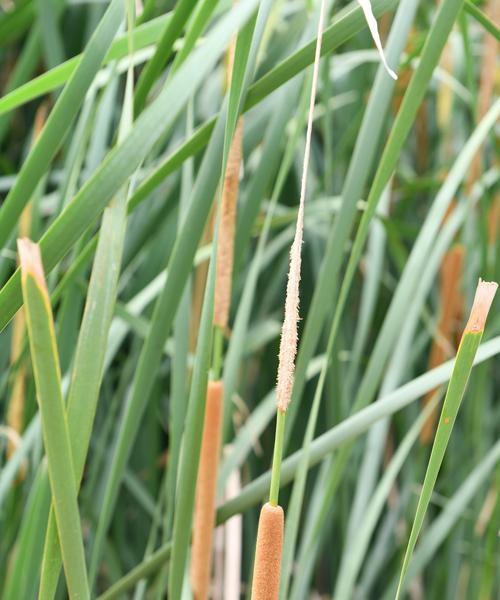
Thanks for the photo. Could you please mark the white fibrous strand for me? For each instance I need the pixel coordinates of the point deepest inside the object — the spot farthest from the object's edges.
(372, 26)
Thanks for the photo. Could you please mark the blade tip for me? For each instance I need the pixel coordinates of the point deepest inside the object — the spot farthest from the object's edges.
(483, 299)
(30, 259)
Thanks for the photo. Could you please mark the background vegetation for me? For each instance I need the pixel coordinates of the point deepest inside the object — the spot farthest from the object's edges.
(115, 127)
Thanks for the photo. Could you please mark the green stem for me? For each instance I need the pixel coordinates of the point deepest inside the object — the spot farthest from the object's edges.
(278, 453)
(217, 351)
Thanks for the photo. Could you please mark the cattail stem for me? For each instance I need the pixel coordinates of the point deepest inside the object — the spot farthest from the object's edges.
(267, 566)
(204, 518)
(277, 456)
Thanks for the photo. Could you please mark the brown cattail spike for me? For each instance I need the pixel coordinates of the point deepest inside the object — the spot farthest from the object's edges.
(289, 335)
(483, 299)
(225, 244)
(204, 517)
(267, 567)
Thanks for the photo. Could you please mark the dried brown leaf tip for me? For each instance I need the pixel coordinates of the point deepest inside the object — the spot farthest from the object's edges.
(483, 299)
(30, 260)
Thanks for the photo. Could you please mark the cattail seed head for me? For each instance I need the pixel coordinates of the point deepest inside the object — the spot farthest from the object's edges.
(289, 335)
(268, 552)
(206, 486)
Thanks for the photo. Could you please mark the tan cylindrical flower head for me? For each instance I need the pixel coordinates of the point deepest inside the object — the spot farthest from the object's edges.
(267, 567)
(230, 188)
(483, 299)
(204, 517)
(225, 243)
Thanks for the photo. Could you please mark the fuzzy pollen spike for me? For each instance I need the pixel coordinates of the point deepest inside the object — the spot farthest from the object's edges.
(206, 488)
(483, 299)
(289, 335)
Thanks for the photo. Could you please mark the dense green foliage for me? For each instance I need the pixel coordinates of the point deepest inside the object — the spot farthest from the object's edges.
(115, 130)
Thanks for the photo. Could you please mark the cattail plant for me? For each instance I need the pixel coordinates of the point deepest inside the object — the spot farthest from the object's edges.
(204, 517)
(267, 566)
(464, 360)
(269, 546)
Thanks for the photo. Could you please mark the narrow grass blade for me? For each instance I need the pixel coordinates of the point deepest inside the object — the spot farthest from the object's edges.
(54, 424)
(180, 373)
(91, 348)
(199, 20)
(454, 509)
(475, 12)
(352, 558)
(456, 389)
